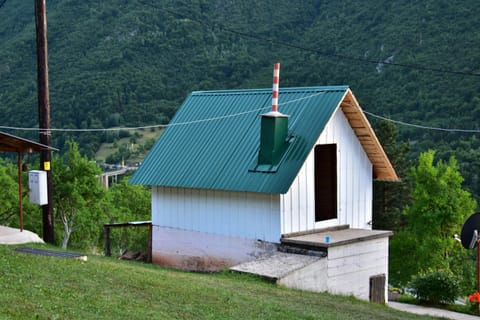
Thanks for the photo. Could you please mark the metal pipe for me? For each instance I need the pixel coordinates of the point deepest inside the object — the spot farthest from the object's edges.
(276, 81)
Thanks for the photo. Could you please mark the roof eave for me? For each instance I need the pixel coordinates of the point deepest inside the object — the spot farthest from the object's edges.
(382, 167)
(11, 143)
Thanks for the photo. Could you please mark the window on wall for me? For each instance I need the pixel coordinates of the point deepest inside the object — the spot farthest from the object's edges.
(325, 182)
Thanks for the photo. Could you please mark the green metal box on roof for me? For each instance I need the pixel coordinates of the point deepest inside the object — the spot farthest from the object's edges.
(273, 141)
(213, 142)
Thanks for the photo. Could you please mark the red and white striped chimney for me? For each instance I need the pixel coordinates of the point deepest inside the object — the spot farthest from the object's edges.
(273, 131)
(276, 81)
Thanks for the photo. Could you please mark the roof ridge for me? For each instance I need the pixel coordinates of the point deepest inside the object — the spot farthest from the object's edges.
(264, 90)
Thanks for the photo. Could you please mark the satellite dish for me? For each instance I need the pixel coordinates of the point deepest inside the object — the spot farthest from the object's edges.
(470, 231)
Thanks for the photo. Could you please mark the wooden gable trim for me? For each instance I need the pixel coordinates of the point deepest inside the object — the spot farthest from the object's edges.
(382, 168)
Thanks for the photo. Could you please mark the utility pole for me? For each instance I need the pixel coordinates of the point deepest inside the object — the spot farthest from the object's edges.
(44, 113)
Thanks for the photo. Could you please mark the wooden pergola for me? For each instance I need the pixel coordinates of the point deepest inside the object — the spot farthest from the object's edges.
(11, 143)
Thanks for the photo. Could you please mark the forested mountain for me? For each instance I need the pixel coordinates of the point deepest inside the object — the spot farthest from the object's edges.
(131, 63)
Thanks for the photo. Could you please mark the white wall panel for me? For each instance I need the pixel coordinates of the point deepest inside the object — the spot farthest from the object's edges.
(236, 214)
(354, 183)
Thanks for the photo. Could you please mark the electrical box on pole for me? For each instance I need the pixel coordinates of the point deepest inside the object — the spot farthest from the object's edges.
(37, 183)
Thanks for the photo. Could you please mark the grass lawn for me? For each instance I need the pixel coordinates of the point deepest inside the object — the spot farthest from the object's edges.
(38, 287)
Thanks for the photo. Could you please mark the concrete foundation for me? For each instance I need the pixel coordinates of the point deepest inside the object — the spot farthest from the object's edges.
(200, 251)
(353, 261)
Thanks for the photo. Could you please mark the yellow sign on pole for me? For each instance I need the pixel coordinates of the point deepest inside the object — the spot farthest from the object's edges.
(46, 165)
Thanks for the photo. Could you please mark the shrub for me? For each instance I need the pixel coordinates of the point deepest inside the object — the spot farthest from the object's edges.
(435, 287)
(123, 134)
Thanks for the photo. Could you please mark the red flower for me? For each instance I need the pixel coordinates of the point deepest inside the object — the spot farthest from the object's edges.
(474, 297)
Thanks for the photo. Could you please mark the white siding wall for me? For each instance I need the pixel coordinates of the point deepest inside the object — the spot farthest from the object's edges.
(355, 187)
(235, 214)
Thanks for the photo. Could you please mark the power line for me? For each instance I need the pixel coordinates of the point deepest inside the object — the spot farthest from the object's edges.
(161, 125)
(233, 115)
(421, 126)
(311, 50)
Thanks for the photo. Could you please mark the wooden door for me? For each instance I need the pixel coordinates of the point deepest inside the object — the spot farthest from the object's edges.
(325, 182)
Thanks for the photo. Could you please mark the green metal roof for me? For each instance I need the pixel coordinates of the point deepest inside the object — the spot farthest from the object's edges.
(213, 140)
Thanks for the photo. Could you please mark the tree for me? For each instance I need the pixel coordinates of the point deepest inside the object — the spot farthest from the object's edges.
(390, 198)
(9, 210)
(77, 195)
(9, 194)
(129, 203)
(439, 208)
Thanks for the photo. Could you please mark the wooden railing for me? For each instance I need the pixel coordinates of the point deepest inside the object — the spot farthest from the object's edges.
(108, 226)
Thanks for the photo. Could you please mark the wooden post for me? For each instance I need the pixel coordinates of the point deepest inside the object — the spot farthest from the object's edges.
(149, 249)
(44, 113)
(20, 189)
(106, 233)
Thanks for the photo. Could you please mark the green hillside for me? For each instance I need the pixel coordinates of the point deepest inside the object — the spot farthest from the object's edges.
(38, 287)
(131, 63)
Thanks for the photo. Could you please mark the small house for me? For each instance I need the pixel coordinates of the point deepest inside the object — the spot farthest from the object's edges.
(232, 181)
